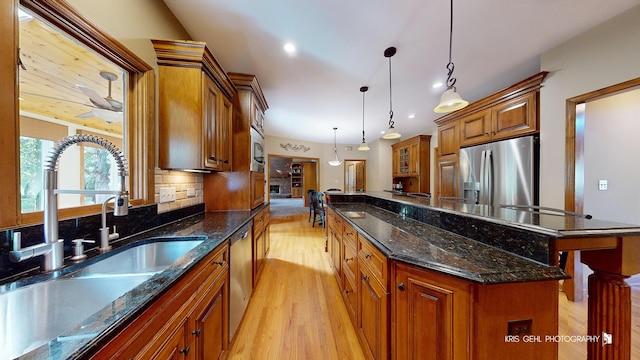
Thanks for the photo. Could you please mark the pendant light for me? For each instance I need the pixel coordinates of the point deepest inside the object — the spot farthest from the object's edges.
(392, 133)
(450, 100)
(363, 146)
(335, 161)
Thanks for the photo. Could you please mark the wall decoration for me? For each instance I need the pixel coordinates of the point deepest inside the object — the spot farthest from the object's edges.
(296, 148)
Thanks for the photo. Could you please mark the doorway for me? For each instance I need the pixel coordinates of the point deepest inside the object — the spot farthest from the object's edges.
(290, 179)
(355, 175)
(575, 177)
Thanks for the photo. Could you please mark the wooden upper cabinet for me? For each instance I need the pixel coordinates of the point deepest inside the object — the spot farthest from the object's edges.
(411, 163)
(448, 143)
(195, 108)
(514, 117)
(475, 128)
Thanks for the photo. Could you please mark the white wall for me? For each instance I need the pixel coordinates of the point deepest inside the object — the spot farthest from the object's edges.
(611, 149)
(605, 55)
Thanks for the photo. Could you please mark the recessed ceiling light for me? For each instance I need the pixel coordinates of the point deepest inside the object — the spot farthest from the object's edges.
(437, 85)
(382, 132)
(412, 116)
(289, 48)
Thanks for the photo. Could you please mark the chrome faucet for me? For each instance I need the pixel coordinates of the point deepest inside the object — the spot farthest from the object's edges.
(52, 249)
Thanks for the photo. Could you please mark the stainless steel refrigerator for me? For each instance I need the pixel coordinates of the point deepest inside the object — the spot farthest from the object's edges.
(501, 173)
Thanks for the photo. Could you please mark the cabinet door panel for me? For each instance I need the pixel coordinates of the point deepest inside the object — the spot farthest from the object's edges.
(224, 130)
(372, 319)
(448, 178)
(475, 128)
(448, 143)
(210, 111)
(210, 322)
(515, 117)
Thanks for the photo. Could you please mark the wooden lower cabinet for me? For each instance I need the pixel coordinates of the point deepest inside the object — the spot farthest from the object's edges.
(436, 316)
(372, 325)
(261, 242)
(189, 321)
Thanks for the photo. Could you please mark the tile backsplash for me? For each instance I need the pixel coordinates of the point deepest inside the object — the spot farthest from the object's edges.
(188, 188)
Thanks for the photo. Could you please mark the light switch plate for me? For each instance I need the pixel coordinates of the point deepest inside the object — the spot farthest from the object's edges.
(167, 194)
(603, 185)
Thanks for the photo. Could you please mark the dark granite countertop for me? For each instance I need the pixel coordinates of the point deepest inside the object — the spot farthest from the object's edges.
(429, 247)
(543, 222)
(212, 227)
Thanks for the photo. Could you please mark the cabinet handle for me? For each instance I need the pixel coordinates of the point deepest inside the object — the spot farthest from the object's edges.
(225, 161)
(401, 287)
(220, 262)
(347, 259)
(185, 351)
(213, 158)
(347, 292)
(196, 332)
(365, 277)
(367, 256)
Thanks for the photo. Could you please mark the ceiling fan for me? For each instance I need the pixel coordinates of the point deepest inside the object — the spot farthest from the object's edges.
(106, 108)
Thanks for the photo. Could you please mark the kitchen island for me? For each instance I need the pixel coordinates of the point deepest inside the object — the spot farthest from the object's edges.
(612, 250)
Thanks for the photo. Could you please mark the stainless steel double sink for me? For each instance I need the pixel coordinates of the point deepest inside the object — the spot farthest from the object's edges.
(33, 315)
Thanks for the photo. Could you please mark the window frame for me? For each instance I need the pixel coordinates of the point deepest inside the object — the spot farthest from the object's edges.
(140, 109)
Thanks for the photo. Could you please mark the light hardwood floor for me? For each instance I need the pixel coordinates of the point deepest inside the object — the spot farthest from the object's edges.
(296, 311)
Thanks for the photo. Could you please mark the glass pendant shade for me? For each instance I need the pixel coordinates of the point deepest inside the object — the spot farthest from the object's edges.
(335, 161)
(392, 133)
(363, 147)
(450, 101)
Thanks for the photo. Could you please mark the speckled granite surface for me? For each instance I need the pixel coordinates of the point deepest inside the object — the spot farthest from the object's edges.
(402, 238)
(212, 227)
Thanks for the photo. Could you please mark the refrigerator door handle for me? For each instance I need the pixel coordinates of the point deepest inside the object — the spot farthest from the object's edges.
(489, 177)
(482, 193)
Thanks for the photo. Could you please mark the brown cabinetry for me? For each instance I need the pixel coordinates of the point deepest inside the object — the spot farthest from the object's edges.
(373, 313)
(195, 108)
(410, 163)
(509, 113)
(261, 242)
(437, 316)
(297, 177)
(189, 321)
(240, 189)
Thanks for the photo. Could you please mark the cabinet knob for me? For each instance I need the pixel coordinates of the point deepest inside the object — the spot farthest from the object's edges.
(197, 332)
(367, 256)
(347, 259)
(347, 292)
(185, 351)
(365, 277)
(401, 287)
(220, 263)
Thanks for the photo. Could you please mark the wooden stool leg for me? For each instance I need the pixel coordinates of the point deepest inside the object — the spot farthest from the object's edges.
(609, 314)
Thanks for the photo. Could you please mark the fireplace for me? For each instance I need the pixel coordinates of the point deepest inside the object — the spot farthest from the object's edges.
(274, 189)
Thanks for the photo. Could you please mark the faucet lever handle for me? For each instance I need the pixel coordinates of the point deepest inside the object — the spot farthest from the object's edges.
(17, 241)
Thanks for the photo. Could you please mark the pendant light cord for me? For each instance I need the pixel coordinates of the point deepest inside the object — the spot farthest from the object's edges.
(451, 81)
(390, 98)
(363, 91)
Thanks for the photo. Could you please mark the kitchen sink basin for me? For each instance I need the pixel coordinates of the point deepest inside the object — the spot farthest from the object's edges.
(354, 214)
(148, 258)
(33, 315)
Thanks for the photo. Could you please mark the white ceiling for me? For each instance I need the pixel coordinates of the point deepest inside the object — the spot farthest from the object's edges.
(340, 46)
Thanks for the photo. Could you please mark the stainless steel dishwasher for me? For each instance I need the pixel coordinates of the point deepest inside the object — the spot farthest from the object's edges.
(240, 272)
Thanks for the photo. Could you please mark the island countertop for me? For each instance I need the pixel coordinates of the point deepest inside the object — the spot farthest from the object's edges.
(543, 222)
(410, 241)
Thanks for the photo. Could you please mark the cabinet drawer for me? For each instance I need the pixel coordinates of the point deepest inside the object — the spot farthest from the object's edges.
(350, 297)
(375, 260)
(218, 263)
(349, 235)
(350, 262)
(258, 224)
(266, 215)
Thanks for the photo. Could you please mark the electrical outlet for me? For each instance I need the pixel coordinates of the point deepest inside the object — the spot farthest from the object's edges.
(519, 327)
(603, 185)
(167, 194)
(191, 192)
